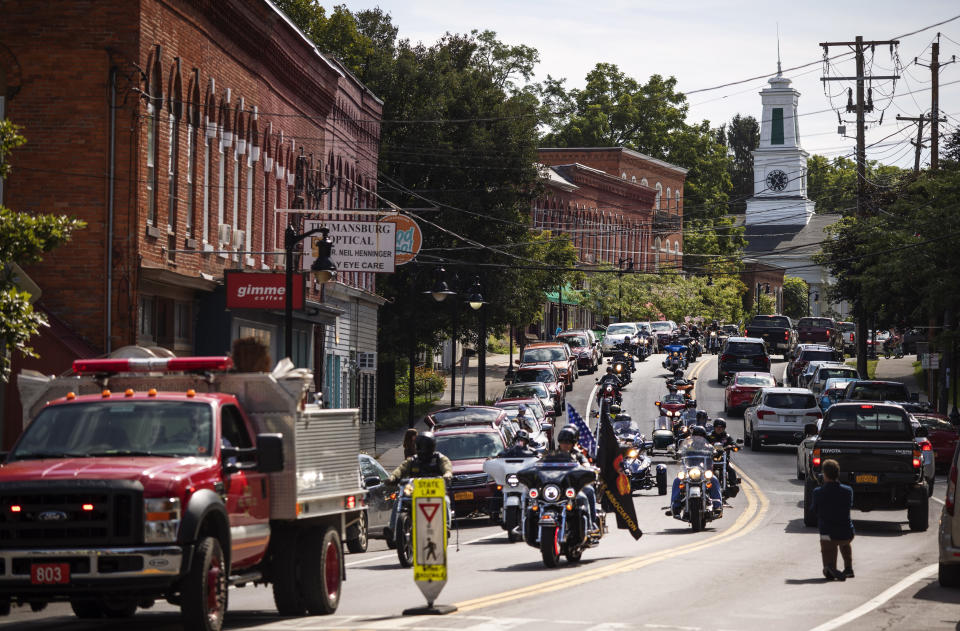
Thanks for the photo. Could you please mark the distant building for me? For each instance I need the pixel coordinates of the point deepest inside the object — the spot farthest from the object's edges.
(176, 129)
(782, 228)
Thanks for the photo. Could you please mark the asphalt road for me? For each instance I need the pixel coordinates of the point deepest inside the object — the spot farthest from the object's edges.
(756, 568)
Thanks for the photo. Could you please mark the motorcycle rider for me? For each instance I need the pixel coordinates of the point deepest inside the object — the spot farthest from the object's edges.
(521, 447)
(567, 440)
(720, 435)
(677, 382)
(696, 441)
(690, 414)
(426, 463)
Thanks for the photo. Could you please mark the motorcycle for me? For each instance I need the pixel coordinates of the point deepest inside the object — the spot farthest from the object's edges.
(713, 343)
(621, 368)
(635, 461)
(504, 471)
(721, 455)
(401, 522)
(663, 437)
(676, 357)
(683, 387)
(556, 518)
(698, 487)
(609, 389)
(644, 348)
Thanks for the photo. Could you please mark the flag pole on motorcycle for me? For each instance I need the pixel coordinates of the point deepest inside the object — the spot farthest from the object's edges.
(614, 483)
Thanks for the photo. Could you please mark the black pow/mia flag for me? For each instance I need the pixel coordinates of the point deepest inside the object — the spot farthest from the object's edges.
(614, 483)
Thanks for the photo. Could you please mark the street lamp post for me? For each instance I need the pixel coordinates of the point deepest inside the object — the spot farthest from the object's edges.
(440, 292)
(323, 269)
(475, 300)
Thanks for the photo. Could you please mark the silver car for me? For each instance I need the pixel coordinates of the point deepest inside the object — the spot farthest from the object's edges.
(614, 335)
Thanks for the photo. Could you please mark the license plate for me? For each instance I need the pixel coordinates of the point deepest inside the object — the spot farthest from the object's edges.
(743, 361)
(463, 495)
(866, 478)
(788, 419)
(49, 573)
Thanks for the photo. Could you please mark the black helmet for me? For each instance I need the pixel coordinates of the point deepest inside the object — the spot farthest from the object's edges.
(523, 435)
(698, 430)
(690, 403)
(715, 323)
(719, 423)
(678, 374)
(426, 444)
(615, 409)
(623, 416)
(702, 416)
(567, 434)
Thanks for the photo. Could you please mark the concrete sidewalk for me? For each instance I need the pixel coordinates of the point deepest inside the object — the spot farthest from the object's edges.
(900, 370)
(388, 449)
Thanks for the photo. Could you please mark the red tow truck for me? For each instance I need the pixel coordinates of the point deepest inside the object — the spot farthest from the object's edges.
(172, 478)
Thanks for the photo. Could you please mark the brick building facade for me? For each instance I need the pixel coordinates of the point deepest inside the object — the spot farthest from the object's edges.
(619, 206)
(176, 129)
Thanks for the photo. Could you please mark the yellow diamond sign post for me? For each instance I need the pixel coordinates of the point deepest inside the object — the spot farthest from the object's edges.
(429, 543)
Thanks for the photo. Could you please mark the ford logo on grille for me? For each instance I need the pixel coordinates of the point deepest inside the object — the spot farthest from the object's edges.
(52, 515)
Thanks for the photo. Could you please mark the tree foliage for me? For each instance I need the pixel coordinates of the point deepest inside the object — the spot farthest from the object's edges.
(615, 110)
(741, 136)
(24, 238)
(795, 296)
(832, 184)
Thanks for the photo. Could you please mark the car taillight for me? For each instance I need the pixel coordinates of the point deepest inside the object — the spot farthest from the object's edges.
(725, 358)
(926, 446)
(917, 461)
(786, 335)
(951, 490)
(816, 459)
(762, 413)
(746, 333)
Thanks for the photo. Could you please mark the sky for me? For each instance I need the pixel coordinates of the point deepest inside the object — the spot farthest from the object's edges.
(706, 43)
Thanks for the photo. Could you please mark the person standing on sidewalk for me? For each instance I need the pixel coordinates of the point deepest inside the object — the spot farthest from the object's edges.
(410, 443)
(832, 502)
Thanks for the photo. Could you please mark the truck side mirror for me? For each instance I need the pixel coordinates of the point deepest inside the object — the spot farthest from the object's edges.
(371, 482)
(810, 429)
(269, 453)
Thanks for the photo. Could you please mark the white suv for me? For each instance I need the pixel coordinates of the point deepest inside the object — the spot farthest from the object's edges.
(777, 415)
(614, 335)
(949, 534)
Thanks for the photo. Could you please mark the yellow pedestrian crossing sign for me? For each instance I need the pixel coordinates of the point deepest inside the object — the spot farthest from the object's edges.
(429, 536)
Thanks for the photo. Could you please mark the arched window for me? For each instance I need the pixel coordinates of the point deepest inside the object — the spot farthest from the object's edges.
(623, 175)
(175, 101)
(667, 199)
(644, 182)
(154, 103)
(656, 254)
(633, 178)
(676, 199)
(656, 203)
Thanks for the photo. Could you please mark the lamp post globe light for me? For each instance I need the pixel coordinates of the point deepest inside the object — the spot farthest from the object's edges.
(323, 270)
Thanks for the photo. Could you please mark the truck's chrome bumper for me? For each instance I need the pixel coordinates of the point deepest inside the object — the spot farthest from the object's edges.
(95, 563)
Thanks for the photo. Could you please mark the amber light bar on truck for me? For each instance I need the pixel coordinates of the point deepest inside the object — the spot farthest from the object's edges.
(150, 364)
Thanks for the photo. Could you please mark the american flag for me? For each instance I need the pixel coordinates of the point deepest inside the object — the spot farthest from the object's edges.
(587, 441)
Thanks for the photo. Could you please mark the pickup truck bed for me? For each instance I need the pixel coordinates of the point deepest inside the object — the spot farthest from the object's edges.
(776, 331)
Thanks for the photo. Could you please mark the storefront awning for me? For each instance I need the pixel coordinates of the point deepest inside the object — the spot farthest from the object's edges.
(570, 296)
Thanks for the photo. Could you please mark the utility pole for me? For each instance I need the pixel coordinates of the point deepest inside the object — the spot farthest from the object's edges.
(861, 108)
(919, 141)
(935, 67)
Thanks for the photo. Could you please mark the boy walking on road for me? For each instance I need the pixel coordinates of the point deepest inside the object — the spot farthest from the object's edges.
(831, 503)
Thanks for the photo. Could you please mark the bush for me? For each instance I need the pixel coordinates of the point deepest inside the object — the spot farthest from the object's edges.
(426, 381)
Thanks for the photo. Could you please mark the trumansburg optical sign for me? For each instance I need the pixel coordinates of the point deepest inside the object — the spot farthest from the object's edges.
(358, 246)
(261, 290)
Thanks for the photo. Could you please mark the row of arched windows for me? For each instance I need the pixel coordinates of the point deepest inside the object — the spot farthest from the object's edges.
(661, 202)
(216, 172)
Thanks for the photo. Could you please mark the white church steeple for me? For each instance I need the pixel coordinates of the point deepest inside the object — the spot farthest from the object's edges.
(779, 163)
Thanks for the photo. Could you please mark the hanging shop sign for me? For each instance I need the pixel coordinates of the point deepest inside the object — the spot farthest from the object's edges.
(409, 237)
(358, 246)
(261, 290)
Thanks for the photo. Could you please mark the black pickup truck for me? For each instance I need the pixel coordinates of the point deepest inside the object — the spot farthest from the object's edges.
(776, 331)
(879, 457)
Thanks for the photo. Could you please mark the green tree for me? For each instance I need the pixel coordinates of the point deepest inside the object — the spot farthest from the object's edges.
(24, 238)
(795, 297)
(742, 137)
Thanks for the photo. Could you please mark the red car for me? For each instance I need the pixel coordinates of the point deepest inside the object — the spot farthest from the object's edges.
(468, 447)
(741, 389)
(943, 437)
(588, 355)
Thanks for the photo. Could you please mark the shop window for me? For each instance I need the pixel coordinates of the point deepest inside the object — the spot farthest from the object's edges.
(146, 318)
(261, 335)
(183, 323)
(368, 392)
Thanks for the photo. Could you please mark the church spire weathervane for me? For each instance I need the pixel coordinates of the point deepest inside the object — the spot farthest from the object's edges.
(779, 71)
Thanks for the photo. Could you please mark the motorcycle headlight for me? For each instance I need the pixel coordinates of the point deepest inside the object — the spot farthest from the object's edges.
(408, 489)
(695, 473)
(681, 475)
(551, 492)
(161, 519)
(513, 480)
(708, 474)
(633, 453)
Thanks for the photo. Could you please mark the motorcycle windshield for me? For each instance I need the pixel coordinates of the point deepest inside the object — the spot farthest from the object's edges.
(625, 427)
(663, 423)
(703, 461)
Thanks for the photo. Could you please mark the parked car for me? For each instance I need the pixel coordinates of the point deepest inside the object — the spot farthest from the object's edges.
(381, 497)
(819, 331)
(467, 447)
(742, 388)
(806, 353)
(875, 390)
(742, 354)
(777, 416)
(584, 347)
(832, 392)
(557, 353)
(527, 389)
(465, 415)
(828, 371)
(663, 330)
(776, 331)
(848, 334)
(615, 334)
(547, 375)
(943, 437)
(948, 539)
